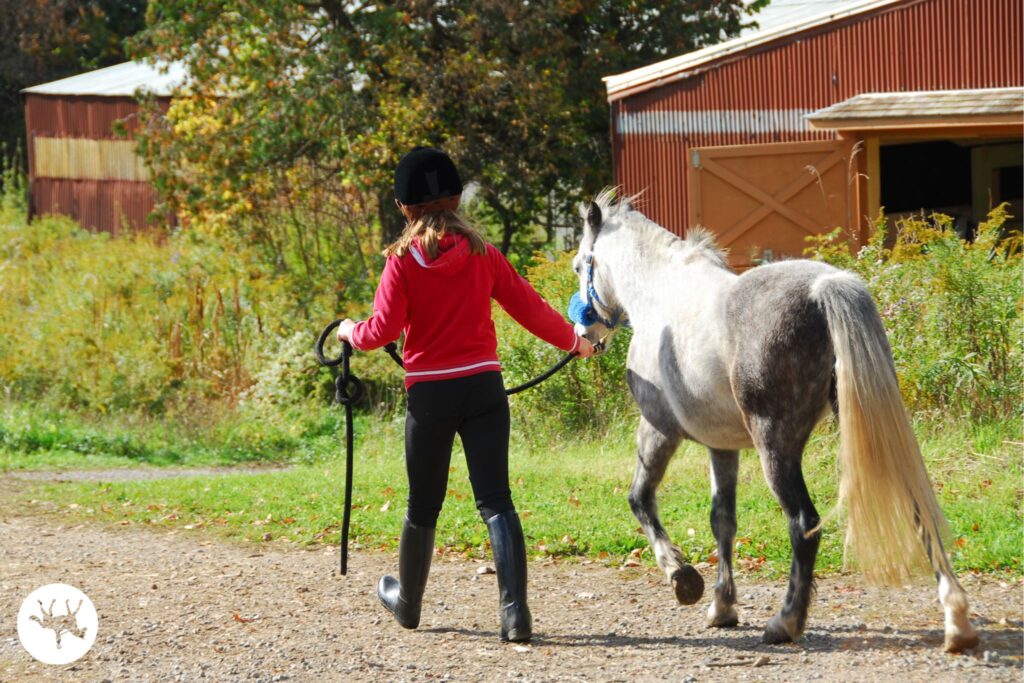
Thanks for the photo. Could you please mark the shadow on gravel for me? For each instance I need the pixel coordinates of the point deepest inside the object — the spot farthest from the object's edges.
(747, 639)
(1006, 642)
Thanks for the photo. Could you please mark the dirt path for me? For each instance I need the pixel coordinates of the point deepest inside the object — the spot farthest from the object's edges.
(178, 606)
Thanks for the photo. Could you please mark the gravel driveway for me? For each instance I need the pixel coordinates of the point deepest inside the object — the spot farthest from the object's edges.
(180, 606)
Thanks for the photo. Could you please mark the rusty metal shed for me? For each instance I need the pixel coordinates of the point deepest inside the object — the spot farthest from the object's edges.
(78, 165)
(748, 137)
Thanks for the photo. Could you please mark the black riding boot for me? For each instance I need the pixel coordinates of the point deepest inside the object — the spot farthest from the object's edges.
(404, 597)
(510, 564)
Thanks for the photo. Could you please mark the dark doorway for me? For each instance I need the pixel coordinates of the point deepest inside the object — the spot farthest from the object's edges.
(928, 176)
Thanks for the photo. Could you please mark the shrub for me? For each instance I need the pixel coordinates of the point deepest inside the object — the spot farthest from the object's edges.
(585, 395)
(184, 327)
(951, 308)
(135, 323)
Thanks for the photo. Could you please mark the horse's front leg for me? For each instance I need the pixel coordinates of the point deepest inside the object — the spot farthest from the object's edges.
(724, 471)
(654, 450)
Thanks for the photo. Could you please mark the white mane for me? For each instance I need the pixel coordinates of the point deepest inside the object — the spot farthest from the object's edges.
(698, 242)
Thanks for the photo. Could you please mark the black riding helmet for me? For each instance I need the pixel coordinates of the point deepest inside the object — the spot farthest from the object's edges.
(425, 175)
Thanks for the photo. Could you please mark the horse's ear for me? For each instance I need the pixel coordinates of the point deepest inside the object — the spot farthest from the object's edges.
(594, 218)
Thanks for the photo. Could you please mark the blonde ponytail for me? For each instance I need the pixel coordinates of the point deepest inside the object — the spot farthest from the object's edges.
(428, 230)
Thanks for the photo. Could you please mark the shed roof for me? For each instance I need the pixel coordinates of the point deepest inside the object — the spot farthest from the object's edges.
(120, 80)
(788, 18)
(781, 12)
(893, 109)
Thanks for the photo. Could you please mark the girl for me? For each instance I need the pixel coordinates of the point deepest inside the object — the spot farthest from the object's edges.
(436, 288)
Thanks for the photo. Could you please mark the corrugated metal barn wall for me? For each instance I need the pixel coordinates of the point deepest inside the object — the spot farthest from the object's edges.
(916, 45)
(96, 196)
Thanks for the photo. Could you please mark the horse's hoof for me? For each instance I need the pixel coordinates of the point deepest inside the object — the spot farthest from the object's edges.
(776, 632)
(688, 585)
(724, 621)
(960, 641)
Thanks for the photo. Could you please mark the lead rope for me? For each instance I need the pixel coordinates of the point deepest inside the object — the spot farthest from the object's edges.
(348, 389)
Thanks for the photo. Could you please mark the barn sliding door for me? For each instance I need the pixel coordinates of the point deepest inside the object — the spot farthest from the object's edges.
(762, 201)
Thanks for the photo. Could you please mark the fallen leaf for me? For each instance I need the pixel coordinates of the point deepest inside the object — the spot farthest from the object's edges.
(573, 500)
(267, 536)
(385, 506)
(630, 563)
(485, 569)
(242, 620)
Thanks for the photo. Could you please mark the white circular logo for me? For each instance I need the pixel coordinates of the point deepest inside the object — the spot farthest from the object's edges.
(57, 624)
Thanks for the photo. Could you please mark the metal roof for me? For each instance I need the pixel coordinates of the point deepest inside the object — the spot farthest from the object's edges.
(931, 104)
(781, 12)
(120, 80)
(788, 18)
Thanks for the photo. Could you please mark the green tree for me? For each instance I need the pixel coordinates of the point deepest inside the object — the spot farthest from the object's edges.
(511, 89)
(44, 40)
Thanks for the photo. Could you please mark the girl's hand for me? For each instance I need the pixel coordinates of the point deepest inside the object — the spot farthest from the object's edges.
(585, 349)
(345, 330)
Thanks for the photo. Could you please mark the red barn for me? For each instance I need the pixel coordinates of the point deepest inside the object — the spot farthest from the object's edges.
(826, 118)
(78, 165)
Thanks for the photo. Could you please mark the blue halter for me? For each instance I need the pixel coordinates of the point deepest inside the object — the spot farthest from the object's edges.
(584, 312)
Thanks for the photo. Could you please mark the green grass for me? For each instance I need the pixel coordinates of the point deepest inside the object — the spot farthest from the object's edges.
(572, 497)
(41, 438)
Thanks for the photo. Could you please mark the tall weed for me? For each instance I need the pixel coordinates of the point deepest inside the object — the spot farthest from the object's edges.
(189, 328)
(130, 324)
(13, 185)
(951, 308)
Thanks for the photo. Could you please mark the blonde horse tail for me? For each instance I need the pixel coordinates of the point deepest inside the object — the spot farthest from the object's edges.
(894, 524)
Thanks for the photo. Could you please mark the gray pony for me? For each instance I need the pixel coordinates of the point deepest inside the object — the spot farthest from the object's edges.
(757, 360)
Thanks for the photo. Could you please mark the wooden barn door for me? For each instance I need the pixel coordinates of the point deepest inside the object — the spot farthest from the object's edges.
(762, 201)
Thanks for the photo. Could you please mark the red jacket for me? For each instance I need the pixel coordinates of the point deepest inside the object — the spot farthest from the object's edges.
(444, 308)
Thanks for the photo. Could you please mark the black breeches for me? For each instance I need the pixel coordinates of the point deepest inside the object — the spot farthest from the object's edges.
(475, 408)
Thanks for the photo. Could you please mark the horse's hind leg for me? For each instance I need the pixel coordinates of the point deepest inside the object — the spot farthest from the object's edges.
(724, 469)
(960, 634)
(780, 460)
(654, 450)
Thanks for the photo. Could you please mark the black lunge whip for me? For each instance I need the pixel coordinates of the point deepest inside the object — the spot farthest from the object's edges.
(348, 389)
